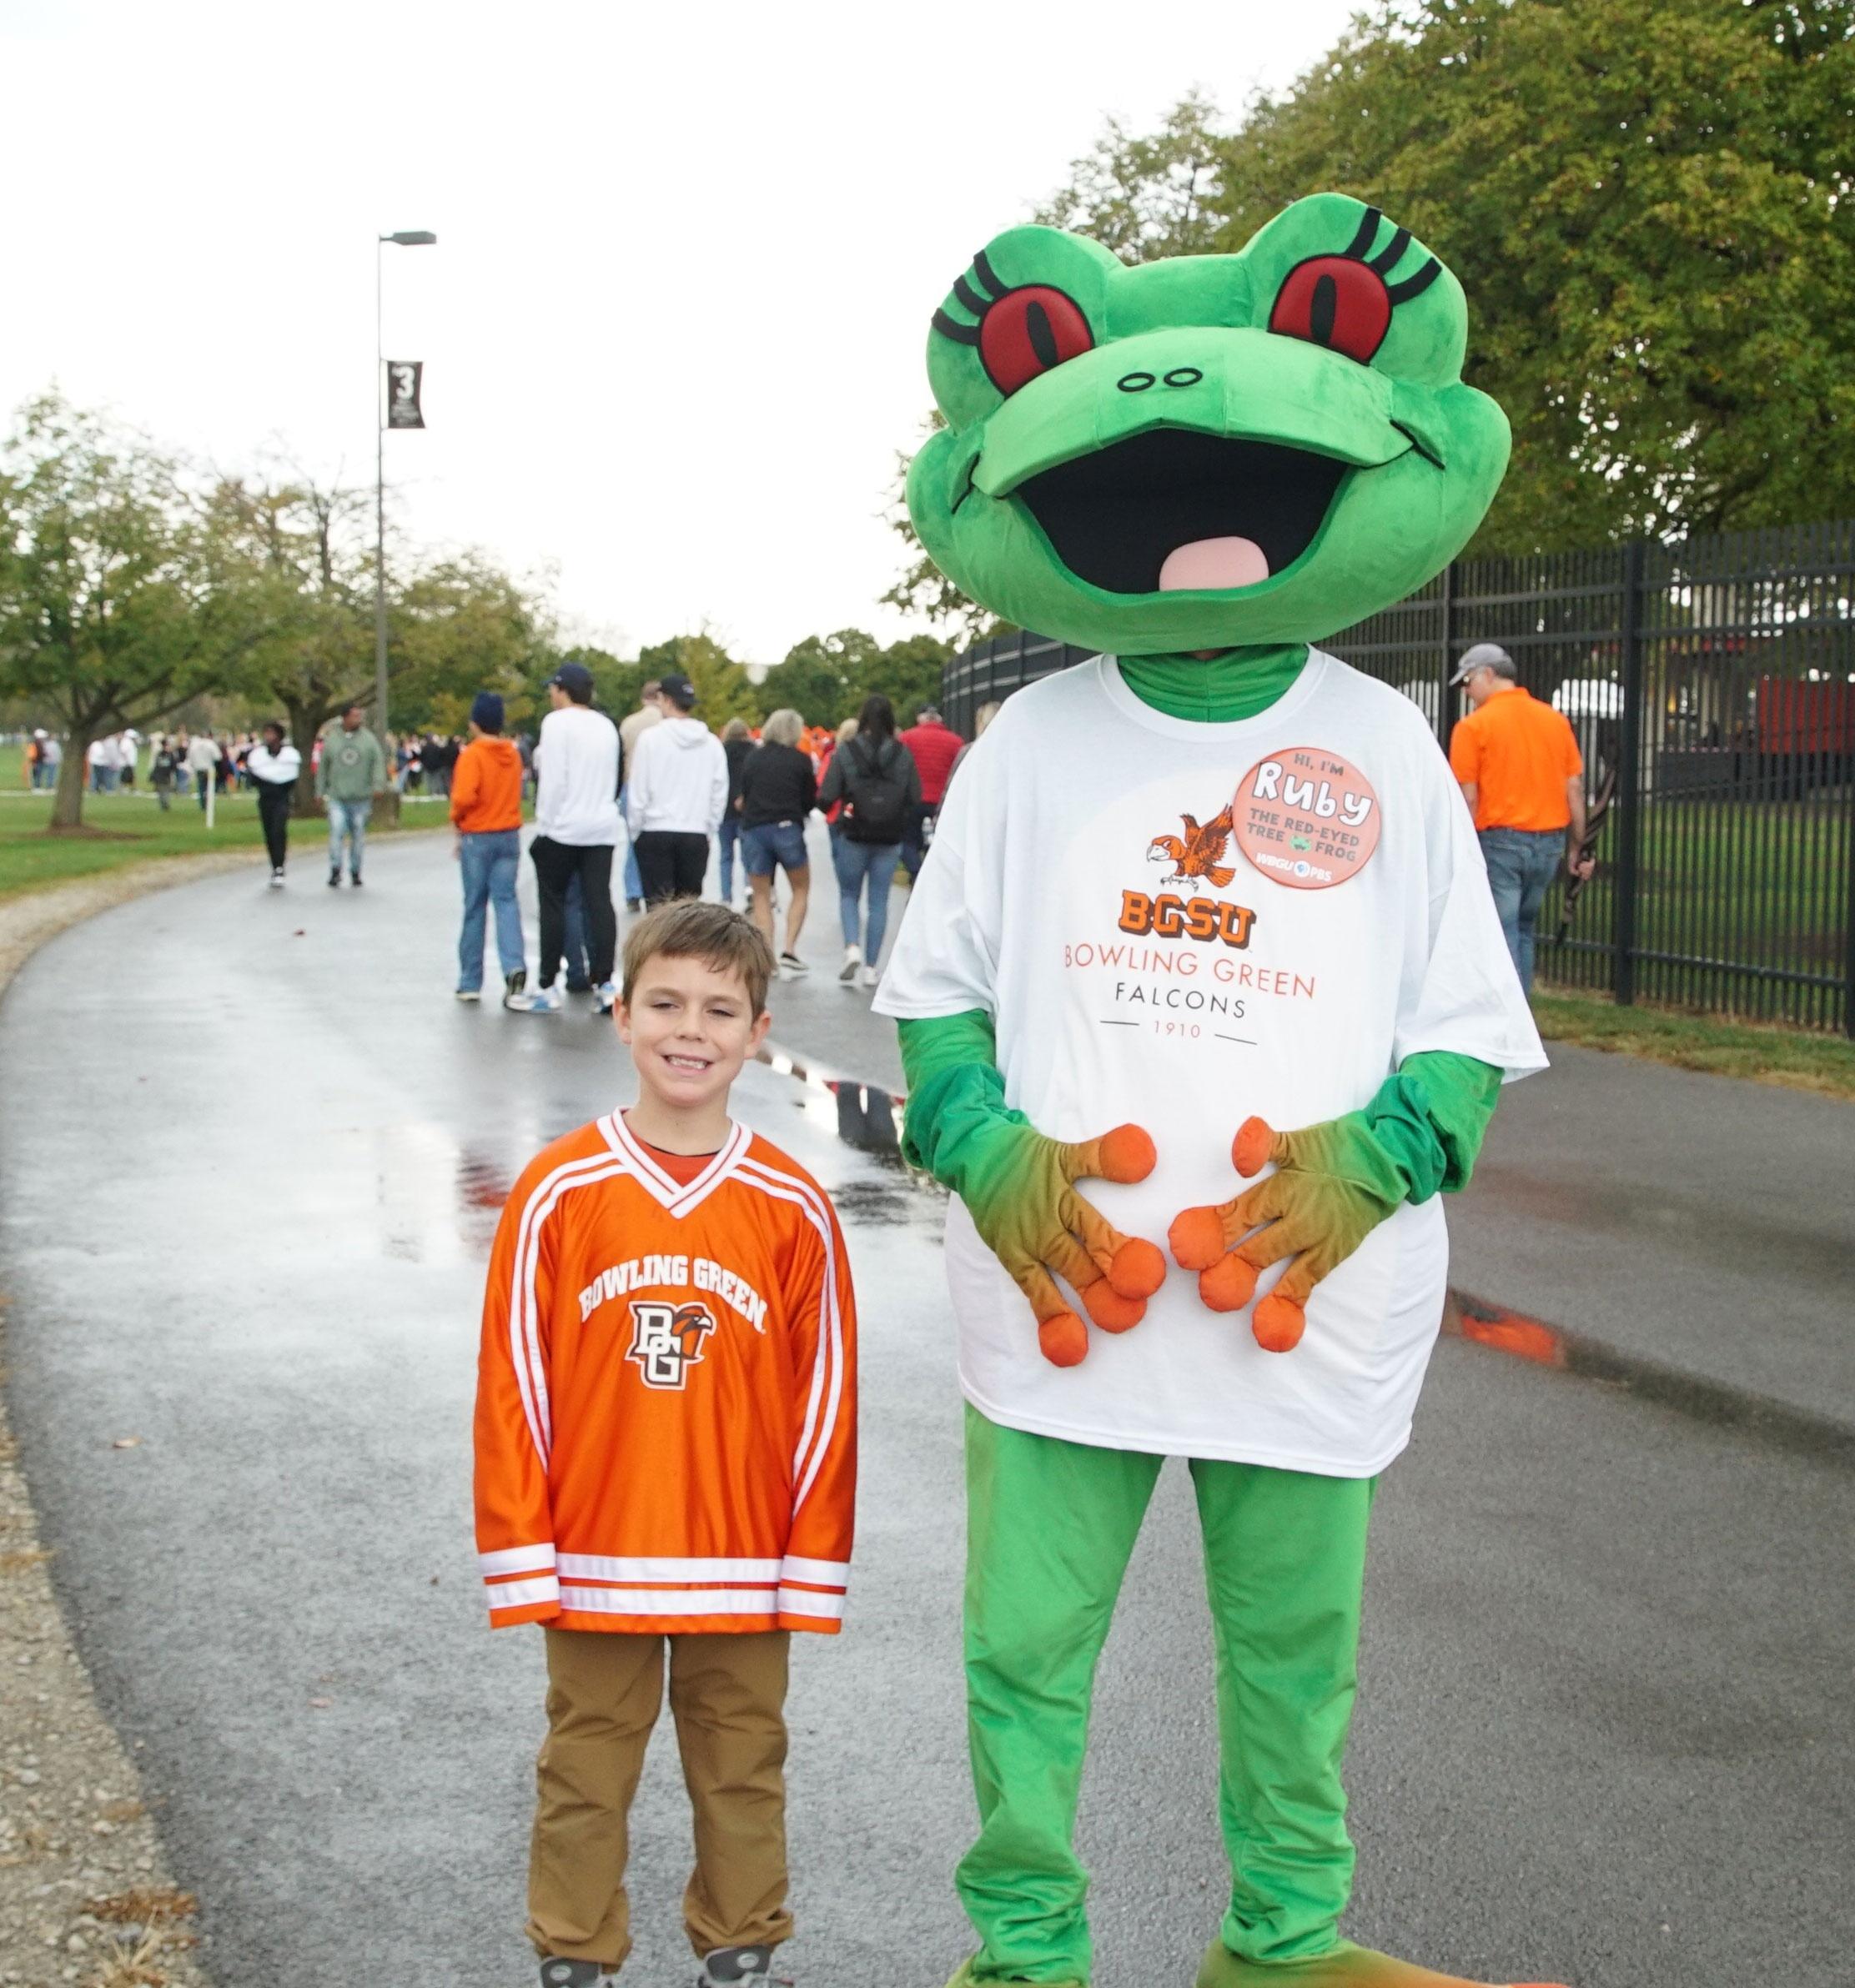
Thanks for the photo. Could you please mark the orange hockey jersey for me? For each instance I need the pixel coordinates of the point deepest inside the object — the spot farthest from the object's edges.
(666, 1394)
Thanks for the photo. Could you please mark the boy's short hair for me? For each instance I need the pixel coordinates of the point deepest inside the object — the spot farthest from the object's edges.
(689, 929)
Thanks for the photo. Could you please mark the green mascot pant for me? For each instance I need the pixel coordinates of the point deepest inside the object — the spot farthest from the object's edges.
(1050, 1527)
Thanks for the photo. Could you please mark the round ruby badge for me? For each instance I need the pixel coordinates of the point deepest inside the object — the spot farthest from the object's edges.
(1306, 817)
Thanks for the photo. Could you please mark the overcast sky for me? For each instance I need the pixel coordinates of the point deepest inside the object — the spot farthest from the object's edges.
(673, 327)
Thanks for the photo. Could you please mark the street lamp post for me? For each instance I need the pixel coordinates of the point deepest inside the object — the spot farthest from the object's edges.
(410, 238)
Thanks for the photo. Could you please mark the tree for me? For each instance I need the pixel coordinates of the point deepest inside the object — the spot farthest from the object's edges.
(460, 625)
(819, 677)
(1145, 197)
(119, 604)
(303, 550)
(1648, 208)
(723, 689)
(908, 674)
(924, 589)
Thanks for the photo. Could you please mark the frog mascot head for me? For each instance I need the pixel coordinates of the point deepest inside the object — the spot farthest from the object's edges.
(1212, 452)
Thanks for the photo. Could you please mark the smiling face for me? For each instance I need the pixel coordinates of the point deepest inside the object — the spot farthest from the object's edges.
(688, 1027)
(1207, 452)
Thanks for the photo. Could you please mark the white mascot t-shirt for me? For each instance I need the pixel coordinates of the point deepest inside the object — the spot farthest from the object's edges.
(1179, 924)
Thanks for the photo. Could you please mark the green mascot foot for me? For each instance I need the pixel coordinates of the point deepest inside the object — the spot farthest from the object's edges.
(966, 1979)
(1347, 1966)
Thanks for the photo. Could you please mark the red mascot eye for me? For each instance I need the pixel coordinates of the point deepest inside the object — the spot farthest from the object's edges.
(1028, 332)
(1333, 301)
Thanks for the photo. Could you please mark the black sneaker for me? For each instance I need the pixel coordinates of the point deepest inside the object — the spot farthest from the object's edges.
(737, 1967)
(512, 984)
(334, 879)
(575, 1974)
(355, 879)
(792, 967)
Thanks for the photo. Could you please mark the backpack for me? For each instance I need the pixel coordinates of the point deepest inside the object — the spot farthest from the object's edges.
(875, 796)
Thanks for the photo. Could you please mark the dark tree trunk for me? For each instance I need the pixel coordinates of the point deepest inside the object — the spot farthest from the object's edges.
(74, 769)
(305, 721)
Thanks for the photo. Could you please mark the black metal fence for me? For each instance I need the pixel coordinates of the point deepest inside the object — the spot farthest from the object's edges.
(1713, 682)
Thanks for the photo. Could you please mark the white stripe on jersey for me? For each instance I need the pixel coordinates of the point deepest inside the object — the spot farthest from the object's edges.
(669, 1601)
(524, 1330)
(820, 1573)
(518, 1594)
(656, 1571)
(516, 1559)
(829, 1361)
(803, 1601)
(678, 1197)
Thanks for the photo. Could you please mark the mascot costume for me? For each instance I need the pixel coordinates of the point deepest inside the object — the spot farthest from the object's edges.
(1212, 882)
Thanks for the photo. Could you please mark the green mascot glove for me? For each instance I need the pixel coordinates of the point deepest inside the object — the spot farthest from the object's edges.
(1019, 1186)
(1333, 1185)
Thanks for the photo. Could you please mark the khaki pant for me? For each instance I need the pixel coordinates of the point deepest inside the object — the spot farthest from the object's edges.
(727, 1695)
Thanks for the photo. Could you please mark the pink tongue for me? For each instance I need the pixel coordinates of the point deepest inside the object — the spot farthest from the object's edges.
(1214, 563)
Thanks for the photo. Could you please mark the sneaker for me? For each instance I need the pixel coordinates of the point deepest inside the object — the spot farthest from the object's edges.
(469, 994)
(353, 877)
(634, 905)
(575, 1974)
(790, 963)
(868, 977)
(544, 1001)
(853, 958)
(740, 1967)
(512, 984)
(334, 879)
(604, 998)
(276, 880)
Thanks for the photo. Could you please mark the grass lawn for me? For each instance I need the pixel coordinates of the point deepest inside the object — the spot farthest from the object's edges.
(1793, 1057)
(136, 831)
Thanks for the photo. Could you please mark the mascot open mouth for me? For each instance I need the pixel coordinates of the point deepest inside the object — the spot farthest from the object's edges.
(1174, 509)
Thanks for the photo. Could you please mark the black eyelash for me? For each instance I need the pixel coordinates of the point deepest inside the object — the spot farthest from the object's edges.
(971, 299)
(1389, 257)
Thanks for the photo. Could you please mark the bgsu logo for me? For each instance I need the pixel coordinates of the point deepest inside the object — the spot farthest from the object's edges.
(1196, 856)
(666, 1340)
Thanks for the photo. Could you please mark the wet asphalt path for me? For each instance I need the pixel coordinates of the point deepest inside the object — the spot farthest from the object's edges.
(249, 1163)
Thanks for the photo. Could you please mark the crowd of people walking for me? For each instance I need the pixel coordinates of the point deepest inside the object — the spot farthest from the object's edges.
(663, 788)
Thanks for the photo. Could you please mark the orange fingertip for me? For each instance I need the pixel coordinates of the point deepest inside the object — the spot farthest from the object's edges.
(1196, 1238)
(1229, 1285)
(1110, 1309)
(1064, 1339)
(1278, 1324)
(1128, 1153)
(1249, 1149)
(1137, 1268)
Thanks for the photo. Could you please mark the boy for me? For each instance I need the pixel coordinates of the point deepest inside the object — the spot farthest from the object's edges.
(666, 1453)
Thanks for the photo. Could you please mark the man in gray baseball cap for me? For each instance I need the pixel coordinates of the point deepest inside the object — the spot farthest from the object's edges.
(1519, 766)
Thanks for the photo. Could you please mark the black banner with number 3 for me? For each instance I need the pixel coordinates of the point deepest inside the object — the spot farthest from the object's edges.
(405, 379)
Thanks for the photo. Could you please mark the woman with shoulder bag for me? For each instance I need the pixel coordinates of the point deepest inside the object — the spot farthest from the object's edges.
(874, 776)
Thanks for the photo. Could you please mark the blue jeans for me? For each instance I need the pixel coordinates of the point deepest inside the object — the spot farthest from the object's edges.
(1521, 863)
(770, 843)
(730, 834)
(858, 864)
(488, 863)
(634, 884)
(347, 821)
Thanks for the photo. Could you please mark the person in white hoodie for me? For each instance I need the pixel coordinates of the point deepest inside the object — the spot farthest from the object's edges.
(273, 763)
(676, 794)
(577, 830)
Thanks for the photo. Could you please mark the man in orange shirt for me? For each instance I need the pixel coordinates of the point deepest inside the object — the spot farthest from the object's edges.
(1522, 774)
(486, 785)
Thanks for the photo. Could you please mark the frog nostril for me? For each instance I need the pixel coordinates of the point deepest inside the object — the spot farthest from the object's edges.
(1184, 376)
(1135, 383)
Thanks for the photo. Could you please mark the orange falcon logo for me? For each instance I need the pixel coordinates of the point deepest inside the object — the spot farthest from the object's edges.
(1196, 853)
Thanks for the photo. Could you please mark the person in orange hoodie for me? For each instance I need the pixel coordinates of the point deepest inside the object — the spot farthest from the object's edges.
(486, 788)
